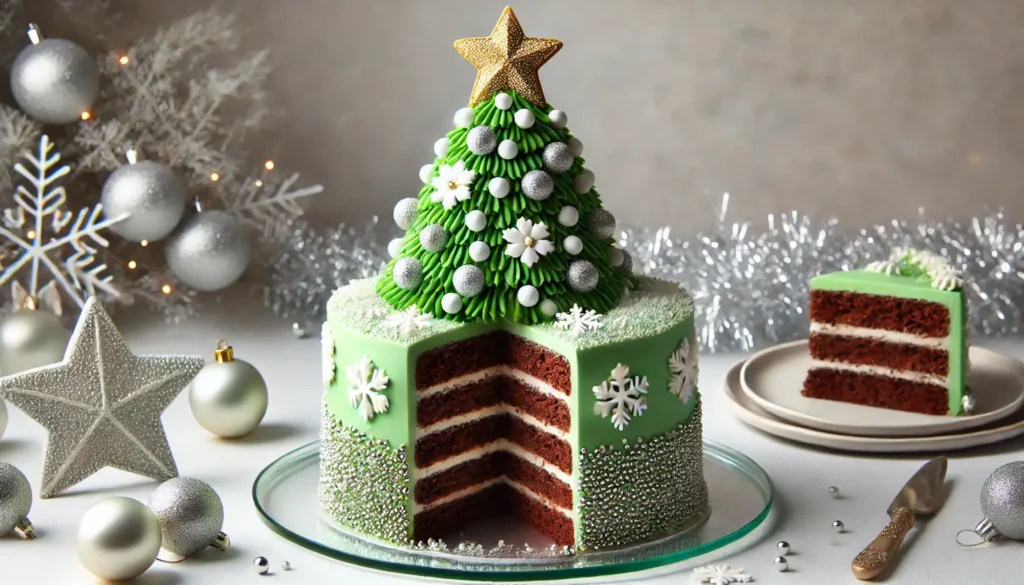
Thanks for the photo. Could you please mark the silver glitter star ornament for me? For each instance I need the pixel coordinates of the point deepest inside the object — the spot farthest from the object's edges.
(101, 406)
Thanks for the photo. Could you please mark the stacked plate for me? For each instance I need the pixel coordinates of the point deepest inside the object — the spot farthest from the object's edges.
(764, 392)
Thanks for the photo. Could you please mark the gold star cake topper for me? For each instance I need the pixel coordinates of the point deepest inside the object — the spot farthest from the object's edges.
(508, 59)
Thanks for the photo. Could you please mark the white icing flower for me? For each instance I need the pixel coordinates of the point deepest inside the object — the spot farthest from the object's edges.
(948, 279)
(578, 321)
(366, 383)
(327, 349)
(526, 241)
(886, 267)
(622, 397)
(410, 320)
(931, 262)
(452, 184)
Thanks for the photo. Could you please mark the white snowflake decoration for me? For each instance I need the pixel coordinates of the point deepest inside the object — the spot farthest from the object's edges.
(452, 184)
(41, 231)
(621, 397)
(327, 349)
(410, 320)
(366, 383)
(720, 575)
(526, 241)
(267, 209)
(578, 320)
(683, 370)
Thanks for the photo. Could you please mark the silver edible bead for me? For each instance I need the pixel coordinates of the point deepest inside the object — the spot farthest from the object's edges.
(261, 565)
(838, 526)
(781, 564)
(286, 566)
(783, 547)
(833, 491)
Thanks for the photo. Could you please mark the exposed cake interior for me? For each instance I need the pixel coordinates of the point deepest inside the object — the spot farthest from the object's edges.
(492, 432)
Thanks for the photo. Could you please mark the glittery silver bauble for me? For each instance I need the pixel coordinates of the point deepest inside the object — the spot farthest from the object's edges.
(408, 273)
(627, 262)
(3, 418)
(29, 339)
(601, 223)
(229, 396)
(118, 539)
(433, 238)
(150, 194)
(54, 81)
(558, 157)
(261, 565)
(838, 526)
(405, 212)
(781, 564)
(15, 501)
(783, 547)
(190, 515)
(1002, 500)
(582, 276)
(210, 251)
(481, 140)
(537, 185)
(468, 280)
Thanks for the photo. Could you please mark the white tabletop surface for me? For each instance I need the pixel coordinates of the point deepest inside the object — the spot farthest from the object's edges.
(803, 515)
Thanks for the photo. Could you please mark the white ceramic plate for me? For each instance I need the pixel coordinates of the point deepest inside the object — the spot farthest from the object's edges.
(750, 413)
(774, 377)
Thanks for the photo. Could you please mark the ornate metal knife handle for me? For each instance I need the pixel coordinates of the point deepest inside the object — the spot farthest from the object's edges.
(876, 556)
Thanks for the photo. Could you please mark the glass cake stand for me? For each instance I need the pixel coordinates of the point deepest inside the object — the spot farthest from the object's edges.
(285, 493)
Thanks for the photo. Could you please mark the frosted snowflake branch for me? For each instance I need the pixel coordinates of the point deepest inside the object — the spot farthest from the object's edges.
(270, 210)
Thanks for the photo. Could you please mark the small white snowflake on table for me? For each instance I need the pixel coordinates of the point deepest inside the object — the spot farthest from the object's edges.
(578, 320)
(366, 383)
(622, 397)
(410, 320)
(327, 348)
(720, 575)
(683, 371)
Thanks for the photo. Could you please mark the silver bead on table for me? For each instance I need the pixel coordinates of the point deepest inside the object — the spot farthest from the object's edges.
(468, 280)
(299, 330)
(190, 514)
(405, 212)
(582, 276)
(54, 80)
(286, 566)
(833, 491)
(781, 564)
(481, 140)
(210, 251)
(118, 539)
(838, 526)
(15, 501)
(433, 238)
(537, 185)
(783, 547)
(601, 223)
(150, 196)
(408, 273)
(261, 565)
(558, 157)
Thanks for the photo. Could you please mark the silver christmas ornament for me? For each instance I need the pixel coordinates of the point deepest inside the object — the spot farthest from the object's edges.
(601, 223)
(781, 564)
(15, 502)
(261, 565)
(627, 262)
(118, 539)
(582, 276)
(54, 80)
(558, 157)
(433, 238)
(210, 251)
(191, 515)
(406, 212)
(468, 280)
(833, 491)
(783, 547)
(537, 185)
(408, 273)
(481, 140)
(30, 338)
(229, 396)
(1002, 503)
(838, 526)
(151, 195)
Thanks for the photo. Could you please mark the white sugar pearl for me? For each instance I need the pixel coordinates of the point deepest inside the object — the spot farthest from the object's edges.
(616, 257)
(395, 247)
(568, 216)
(548, 307)
(525, 119)
(464, 118)
(558, 119)
(499, 187)
(426, 173)
(508, 149)
(528, 296)
(572, 245)
(451, 303)
(503, 101)
(479, 251)
(476, 220)
(576, 146)
(584, 182)
(441, 147)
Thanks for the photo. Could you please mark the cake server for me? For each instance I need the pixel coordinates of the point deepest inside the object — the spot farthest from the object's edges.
(921, 495)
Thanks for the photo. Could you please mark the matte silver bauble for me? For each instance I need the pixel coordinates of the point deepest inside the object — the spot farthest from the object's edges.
(190, 515)
(150, 194)
(29, 339)
(229, 396)
(537, 185)
(395, 248)
(558, 157)
(118, 539)
(558, 119)
(54, 81)
(582, 276)
(601, 223)
(583, 182)
(408, 273)
(210, 251)
(468, 280)
(406, 212)
(433, 238)
(481, 140)
(1002, 500)
(15, 501)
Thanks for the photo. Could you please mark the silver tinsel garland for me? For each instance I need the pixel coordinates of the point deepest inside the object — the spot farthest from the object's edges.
(751, 285)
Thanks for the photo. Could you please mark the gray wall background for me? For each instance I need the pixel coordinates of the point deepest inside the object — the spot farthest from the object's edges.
(863, 110)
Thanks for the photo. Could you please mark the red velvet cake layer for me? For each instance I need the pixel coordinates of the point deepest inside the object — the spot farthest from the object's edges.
(866, 351)
(880, 312)
(881, 391)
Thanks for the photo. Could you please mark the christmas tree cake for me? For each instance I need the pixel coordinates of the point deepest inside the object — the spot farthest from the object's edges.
(894, 335)
(507, 360)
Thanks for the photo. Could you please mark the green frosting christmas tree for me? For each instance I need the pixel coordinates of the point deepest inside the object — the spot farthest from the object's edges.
(508, 225)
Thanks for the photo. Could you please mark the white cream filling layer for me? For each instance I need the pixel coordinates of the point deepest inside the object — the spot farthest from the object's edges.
(495, 410)
(493, 447)
(919, 377)
(880, 335)
(454, 383)
(473, 489)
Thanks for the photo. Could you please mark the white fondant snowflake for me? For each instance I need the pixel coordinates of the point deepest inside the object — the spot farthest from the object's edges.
(621, 397)
(452, 184)
(886, 267)
(526, 241)
(327, 357)
(373, 311)
(683, 371)
(410, 320)
(578, 320)
(948, 279)
(366, 383)
(720, 575)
